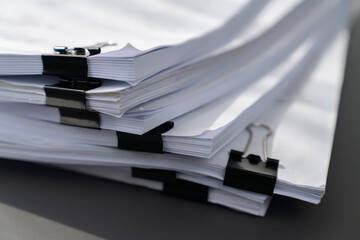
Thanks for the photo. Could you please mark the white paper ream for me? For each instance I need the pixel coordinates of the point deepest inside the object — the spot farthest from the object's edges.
(37, 26)
(311, 121)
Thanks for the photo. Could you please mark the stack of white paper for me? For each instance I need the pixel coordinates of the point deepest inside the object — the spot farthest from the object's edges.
(205, 131)
(225, 71)
(269, 63)
(216, 29)
(198, 84)
(52, 143)
(245, 201)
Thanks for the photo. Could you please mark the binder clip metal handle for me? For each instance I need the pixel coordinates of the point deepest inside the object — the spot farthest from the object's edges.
(83, 51)
(251, 134)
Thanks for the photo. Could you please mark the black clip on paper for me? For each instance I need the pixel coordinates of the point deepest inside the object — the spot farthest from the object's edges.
(187, 190)
(70, 93)
(70, 65)
(70, 62)
(148, 142)
(251, 173)
(154, 174)
(171, 185)
(79, 118)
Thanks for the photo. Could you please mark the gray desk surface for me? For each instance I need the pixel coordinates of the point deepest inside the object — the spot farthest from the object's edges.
(68, 205)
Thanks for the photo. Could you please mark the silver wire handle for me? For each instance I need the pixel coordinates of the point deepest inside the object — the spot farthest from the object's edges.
(83, 50)
(257, 124)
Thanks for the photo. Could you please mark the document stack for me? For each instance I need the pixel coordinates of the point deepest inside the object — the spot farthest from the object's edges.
(228, 103)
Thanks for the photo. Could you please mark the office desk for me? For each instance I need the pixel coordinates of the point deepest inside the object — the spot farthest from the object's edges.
(114, 210)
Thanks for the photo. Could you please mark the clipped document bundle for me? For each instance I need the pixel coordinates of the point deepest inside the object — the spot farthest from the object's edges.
(206, 80)
(232, 111)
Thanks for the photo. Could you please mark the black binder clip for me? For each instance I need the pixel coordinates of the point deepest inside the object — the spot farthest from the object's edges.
(186, 190)
(70, 65)
(69, 94)
(154, 174)
(173, 186)
(251, 173)
(70, 62)
(148, 142)
(79, 118)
